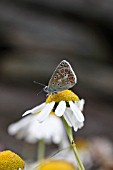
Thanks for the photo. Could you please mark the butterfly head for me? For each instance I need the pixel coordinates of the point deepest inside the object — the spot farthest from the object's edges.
(46, 89)
(49, 90)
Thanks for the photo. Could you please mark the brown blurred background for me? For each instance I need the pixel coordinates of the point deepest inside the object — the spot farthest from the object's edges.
(34, 37)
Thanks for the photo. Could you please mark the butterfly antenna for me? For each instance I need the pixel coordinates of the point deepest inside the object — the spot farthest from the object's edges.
(39, 83)
(39, 92)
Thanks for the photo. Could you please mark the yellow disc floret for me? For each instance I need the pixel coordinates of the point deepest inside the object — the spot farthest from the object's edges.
(65, 95)
(10, 161)
(56, 165)
(52, 113)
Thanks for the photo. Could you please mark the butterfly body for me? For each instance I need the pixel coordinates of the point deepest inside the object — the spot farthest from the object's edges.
(48, 90)
(63, 78)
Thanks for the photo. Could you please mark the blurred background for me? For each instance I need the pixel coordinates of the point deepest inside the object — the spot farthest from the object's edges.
(35, 35)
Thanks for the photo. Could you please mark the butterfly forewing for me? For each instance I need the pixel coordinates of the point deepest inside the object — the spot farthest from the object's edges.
(63, 77)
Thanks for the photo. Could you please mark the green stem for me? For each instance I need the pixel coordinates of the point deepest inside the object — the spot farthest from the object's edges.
(41, 150)
(73, 145)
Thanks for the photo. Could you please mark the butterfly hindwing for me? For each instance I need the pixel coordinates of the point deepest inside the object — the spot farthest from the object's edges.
(63, 77)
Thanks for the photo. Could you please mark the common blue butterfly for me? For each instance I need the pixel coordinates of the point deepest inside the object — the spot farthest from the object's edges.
(63, 78)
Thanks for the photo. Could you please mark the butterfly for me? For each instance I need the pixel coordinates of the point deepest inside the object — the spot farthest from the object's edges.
(63, 78)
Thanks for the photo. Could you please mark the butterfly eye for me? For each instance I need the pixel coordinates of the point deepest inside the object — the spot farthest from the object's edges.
(72, 78)
(53, 83)
(55, 77)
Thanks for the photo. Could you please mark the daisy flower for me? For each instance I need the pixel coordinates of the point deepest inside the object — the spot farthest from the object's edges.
(64, 104)
(32, 131)
(55, 164)
(68, 106)
(11, 161)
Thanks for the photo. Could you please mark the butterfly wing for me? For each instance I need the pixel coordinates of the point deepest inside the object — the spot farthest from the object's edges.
(63, 77)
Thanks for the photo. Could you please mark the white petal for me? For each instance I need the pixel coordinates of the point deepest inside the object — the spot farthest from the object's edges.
(74, 122)
(45, 112)
(19, 125)
(81, 124)
(13, 129)
(78, 114)
(77, 125)
(80, 104)
(71, 119)
(67, 116)
(57, 131)
(35, 109)
(51, 130)
(59, 111)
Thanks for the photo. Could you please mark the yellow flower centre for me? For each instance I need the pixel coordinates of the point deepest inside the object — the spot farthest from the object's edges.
(66, 95)
(10, 161)
(56, 165)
